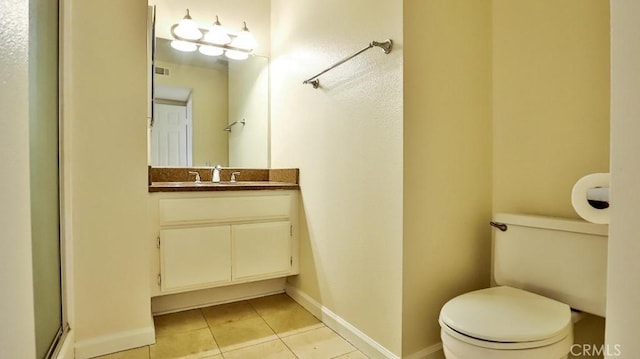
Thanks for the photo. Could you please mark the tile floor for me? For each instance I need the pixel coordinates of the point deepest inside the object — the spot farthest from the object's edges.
(271, 327)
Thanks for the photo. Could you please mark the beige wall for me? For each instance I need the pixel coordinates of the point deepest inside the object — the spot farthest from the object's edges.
(550, 101)
(346, 138)
(447, 160)
(105, 112)
(17, 334)
(210, 109)
(623, 294)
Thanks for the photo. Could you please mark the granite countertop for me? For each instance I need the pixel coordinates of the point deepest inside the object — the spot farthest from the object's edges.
(171, 179)
(220, 186)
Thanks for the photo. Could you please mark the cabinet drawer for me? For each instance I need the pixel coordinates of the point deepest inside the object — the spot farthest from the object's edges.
(223, 209)
(195, 257)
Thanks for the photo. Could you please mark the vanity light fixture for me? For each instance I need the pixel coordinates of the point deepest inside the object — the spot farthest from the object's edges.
(210, 50)
(184, 46)
(236, 55)
(187, 28)
(244, 40)
(217, 34)
(214, 41)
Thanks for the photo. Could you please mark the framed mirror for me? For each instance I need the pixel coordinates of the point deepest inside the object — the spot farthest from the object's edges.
(210, 110)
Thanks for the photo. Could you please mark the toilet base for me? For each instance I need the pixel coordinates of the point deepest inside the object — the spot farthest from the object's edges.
(456, 349)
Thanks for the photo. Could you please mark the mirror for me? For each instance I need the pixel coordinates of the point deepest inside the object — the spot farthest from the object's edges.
(208, 110)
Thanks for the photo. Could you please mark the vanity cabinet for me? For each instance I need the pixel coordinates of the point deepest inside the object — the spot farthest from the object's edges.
(219, 239)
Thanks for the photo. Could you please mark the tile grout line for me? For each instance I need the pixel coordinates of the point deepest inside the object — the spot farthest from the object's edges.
(289, 348)
(211, 331)
(320, 325)
(273, 337)
(347, 353)
(291, 332)
(273, 330)
(264, 320)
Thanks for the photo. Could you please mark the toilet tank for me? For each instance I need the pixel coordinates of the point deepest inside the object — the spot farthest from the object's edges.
(563, 259)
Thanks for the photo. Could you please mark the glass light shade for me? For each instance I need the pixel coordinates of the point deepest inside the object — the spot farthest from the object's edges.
(187, 28)
(236, 55)
(210, 50)
(244, 40)
(184, 46)
(217, 34)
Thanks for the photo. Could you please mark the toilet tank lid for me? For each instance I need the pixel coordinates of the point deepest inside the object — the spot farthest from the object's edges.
(505, 314)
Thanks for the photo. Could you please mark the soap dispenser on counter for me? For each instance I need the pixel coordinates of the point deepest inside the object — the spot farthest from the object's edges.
(215, 173)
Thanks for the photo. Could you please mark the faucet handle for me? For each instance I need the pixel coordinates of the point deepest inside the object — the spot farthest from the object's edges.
(197, 175)
(233, 176)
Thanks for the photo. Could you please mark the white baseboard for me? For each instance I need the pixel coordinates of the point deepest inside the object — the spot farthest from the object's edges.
(432, 352)
(352, 334)
(207, 297)
(114, 343)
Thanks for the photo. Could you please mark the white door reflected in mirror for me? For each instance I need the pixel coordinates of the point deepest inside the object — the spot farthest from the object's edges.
(170, 135)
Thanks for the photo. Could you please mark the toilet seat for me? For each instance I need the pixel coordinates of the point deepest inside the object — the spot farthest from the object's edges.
(506, 318)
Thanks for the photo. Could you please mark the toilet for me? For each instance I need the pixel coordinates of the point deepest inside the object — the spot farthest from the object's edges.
(546, 270)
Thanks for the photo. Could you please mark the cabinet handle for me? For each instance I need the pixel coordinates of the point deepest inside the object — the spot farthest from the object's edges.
(159, 279)
(158, 243)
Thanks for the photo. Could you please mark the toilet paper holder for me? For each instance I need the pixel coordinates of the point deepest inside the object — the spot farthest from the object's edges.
(590, 197)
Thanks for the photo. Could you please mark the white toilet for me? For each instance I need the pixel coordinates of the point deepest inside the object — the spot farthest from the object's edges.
(542, 267)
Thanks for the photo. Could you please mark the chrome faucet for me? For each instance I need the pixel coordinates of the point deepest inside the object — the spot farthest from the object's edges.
(197, 175)
(215, 173)
(233, 176)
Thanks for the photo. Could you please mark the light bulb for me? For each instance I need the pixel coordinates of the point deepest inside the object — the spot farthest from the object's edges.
(244, 40)
(187, 28)
(236, 55)
(210, 50)
(217, 34)
(184, 46)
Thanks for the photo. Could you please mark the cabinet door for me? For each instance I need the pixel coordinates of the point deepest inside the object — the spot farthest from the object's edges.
(193, 258)
(261, 250)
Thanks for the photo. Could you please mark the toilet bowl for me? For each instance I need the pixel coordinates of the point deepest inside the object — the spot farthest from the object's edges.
(542, 267)
(503, 323)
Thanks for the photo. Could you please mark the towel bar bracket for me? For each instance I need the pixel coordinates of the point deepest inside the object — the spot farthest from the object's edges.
(386, 46)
